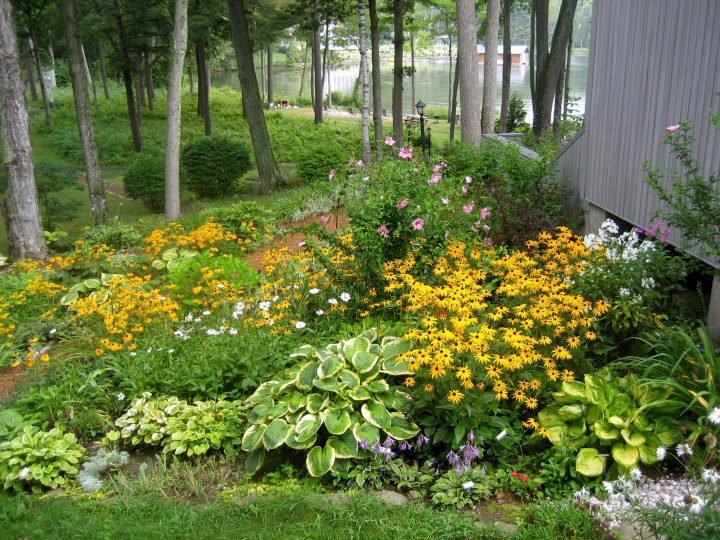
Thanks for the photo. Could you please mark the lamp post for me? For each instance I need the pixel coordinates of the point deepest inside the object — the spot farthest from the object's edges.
(420, 107)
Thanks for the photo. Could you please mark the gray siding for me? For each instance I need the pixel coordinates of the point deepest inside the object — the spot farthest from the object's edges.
(652, 64)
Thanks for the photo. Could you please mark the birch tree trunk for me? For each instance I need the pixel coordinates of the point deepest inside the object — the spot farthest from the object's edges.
(270, 89)
(450, 64)
(412, 68)
(397, 92)
(103, 72)
(470, 126)
(490, 80)
(507, 65)
(364, 82)
(302, 77)
(317, 68)
(325, 76)
(30, 74)
(47, 98)
(172, 148)
(79, 74)
(376, 82)
(88, 76)
(20, 207)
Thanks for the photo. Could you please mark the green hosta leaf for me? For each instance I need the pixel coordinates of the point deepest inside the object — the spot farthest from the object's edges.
(359, 393)
(401, 428)
(307, 375)
(262, 393)
(378, 386)
(276, 434)
(306, 351)
(337, 423)
(293, 442)
(320, 460)
(170, 254)
(571, 412)
(367, 432)
(255, 460)
(625, 455)
(92, 283)
(370, 334)
(576, 389)
(642, 422)
(648, 451)
(307, 426)
(589, 462)
(350, 378)
(328, 385)
(392, 347)
(330, 366)
(606, 431)
(376, 413)
(550, 416)
(345, 446)
(596, 390)
(392, 366)
(556, 434)
(364, 361)
(295, 402)
(616, 421)
(667, 431)
(621, 406)
(253, 437)
(69, 298)
(633, 438)
(355, 345)
(316, 402)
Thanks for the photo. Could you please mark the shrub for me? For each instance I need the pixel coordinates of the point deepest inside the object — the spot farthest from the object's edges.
(319, 159)
(247, 220)
(145, 180)
(214, 164)
(114, 234)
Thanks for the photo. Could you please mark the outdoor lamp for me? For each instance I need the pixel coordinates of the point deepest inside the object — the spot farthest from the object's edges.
(420, 107)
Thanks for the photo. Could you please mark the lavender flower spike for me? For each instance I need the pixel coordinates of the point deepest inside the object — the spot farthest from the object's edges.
(421, 440)
(471, 436)
(453, 458)
(404, 446)
(363, 444)
(389, 442)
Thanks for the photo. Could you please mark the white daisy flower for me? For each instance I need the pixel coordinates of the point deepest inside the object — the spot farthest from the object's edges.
(660, 452)
(345, 297)
(714, 416)
(696, 504)
(300, 325)
(683, 450)
(120, 396)
(314, 290)
(23, 473)
(319, 312)
(332, 301)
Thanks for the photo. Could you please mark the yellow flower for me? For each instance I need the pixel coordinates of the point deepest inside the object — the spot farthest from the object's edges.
(535, 384)
(428, 388)
(543, 432)
(531, 403)
(463, 373)
(437, 371)
(601, 308)
(493, 371)
(409, 382)
(455, 397)
(573, 342)
(518, 395)
(530, 423)
(567, 375)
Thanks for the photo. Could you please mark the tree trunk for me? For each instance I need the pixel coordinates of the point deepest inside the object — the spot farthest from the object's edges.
(533, 51)
(172, 148)
(79, 74)
(412, 68)
(20, 207)
(568, 54)
(376, 82)
(264, 158)
(557, 105)
(30, 74)
(490, 79)
(450, 65)
(453, 101)
(103, 72)
(203, 85)
(43, 87)
(364, 82)
(541, 46)
(86, 67)
(270, 89)
(132, 113)
(139, 78)
(507, 65)
(262, 76)
(317, 68)
(190, 78)
(325, 76)
(149, 83)
(551, 69)
(397, 92)
(470, 126)
(302, 77)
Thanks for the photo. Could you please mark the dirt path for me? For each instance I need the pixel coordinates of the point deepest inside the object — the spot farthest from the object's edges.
(8, 380)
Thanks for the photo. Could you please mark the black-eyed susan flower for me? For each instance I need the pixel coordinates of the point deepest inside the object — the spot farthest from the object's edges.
(455, 397)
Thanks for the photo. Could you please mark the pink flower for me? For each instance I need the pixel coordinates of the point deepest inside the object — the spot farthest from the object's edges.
(659, 229)
(434, 179)
(469, 207)
(325, 219)
(332, 174)
(673, 128)
(405, 153)
(488, 241)
(366, 178)
(389, 140)
(445, 201)
(464, 190)
(402, 203)
(485, 213)
(360, 164)
(418, 224)
(486, 227)
(468, 179)
(383, 230)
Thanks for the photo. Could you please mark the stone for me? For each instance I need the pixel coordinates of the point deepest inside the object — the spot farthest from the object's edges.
(392, 497)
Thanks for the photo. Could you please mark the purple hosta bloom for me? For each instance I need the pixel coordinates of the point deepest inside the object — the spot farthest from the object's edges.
(404, 446)
(485, 213)
(402, 203)
(363, 444)
(389, 442)
(383, 230)
(421, 440)
(469, 207)
(453, 458)
(470, 436)
(470, 453)
(378, 448)
(332, 174)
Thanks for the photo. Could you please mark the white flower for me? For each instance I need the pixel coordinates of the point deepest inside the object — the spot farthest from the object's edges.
(220, 286)
(345, 297)
(468, 485)
(710, 475)
(189, 317)
(636, 474)
(332, 301)
(275, 298)
(660, 452)
(149, 349)
(133, 353)
(624, 292)
(264, 306)
(233, 331)
(696, 504)
(501, 435)
(314, 290)
(319, 312)
(582, 494)
(206, 313)
(609, 487)
(300, 325)
(648, 283)
(714, 416)
(23, 473)
(52, 331)
(683, 450)
(120, 396)
(212, 332)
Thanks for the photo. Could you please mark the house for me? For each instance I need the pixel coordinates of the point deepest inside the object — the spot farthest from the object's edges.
(520, 54)
(648, 68)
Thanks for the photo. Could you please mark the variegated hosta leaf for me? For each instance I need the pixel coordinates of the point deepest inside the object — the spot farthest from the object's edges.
(320, 460)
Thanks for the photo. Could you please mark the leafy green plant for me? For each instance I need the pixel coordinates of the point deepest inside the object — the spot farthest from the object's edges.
(317, 161)
(39, 459)
(114, 234)
(214, 164)
(145, 180)
(603, 414)
(90, 477)
(460, 490)
(334, 403)
(11, 423)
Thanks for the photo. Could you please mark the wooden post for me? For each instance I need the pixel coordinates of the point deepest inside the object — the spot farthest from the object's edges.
(714, 311)
(594, 217)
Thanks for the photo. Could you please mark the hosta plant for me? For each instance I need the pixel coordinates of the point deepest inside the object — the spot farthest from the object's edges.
(605, 417)
(39, 459)
(459, 490)
(336, 404)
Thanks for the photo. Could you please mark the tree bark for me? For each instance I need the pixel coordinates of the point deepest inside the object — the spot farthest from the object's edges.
(139, 79)
(79, 74)
(325, 76)
(203, 85)
(172, 148)
(149, 82)
(103, 72)
(507, 65)
(533, 51)
(397, 92)
(566, 97)
(302, 77)
(364, 82)
(470, 126)
(376, 82)
(490, 67)
(453, 101)
(317, 68)
(47, 98)
(30, 74)
(412, 68)
(262, 76)
(20, 207)
(252, 104)
(557, 105)
(450, 64)
(86, 67)
(190, 78)
(127, 77)
(551, 69)
(270, 89)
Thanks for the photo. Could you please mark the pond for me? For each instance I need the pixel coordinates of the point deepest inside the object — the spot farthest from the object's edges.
(431, 82)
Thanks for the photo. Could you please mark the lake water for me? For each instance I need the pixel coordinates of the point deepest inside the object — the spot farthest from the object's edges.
(431, 82)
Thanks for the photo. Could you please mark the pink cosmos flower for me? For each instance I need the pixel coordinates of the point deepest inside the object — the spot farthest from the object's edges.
(434, 179)
(469, 207)
(673, 128)
(405, 153)
(445, 201)
(332, 174)
(485, 213)
(402, 203)
(418, 224)
(383, 230)
(464, 190)
(488, 241)
(389, 140)
(325, 219)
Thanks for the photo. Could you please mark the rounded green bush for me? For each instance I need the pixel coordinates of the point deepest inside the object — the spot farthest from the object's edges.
(213, 164)
(316, 162)
(145, 180)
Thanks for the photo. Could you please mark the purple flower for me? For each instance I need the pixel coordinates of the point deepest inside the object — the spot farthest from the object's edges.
(389, 442)
(469, 207)
(468, 179)
(366, 178)
(383, 230)
(460, 468)
(421, 440)
(418, 224)
(363, 444)
(486, 227)
(402, 203)
(434, 179)
(404, 446)
(444, 201)
(673, 128)
(464, 190)
(470, 453)
(488, 241)
(453, 458)
(378, 448)
(485, 213)
(325, 219)
(470, 436)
